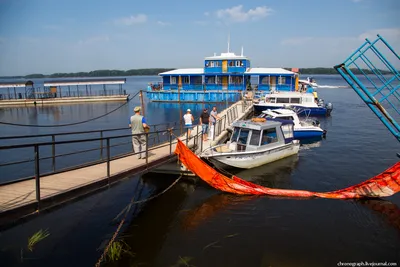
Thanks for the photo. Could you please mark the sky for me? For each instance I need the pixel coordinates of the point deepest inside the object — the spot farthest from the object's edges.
(47, 36)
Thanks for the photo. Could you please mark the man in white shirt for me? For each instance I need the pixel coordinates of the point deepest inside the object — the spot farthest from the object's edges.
(188, 118)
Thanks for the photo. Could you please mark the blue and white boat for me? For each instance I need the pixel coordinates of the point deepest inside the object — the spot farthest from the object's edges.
(223, 78)
(303, 129)
(305, 103)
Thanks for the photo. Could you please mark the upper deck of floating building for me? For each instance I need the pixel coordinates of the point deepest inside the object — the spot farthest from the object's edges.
(228, 64)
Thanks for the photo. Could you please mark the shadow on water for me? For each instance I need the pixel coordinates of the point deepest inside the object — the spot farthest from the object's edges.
(146, 234)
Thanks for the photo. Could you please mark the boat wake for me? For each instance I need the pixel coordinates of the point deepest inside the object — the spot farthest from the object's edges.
(333, 86)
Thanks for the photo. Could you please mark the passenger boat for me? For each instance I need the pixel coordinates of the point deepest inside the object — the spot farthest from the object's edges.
(306, 128)
(254, 143)
(304, 103)
(222, 78)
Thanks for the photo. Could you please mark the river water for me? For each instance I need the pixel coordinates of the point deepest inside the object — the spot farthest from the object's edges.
(196, 224)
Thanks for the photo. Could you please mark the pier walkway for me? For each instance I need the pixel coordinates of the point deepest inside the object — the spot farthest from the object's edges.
(22, 197)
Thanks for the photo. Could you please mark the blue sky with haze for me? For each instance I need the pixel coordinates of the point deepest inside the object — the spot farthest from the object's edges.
(46, 36)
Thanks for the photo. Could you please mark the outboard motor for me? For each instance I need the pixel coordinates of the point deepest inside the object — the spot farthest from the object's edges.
(329, 108)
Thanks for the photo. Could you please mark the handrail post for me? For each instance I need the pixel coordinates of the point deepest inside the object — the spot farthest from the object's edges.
(108, 158)
(201, 146)
(37, 175)
(170, 142)
(214, 126)
(187, 136)
(101, 144)
(147, 148)
(53, 152)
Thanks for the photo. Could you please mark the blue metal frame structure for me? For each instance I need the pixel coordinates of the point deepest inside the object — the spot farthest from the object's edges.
(378, 90)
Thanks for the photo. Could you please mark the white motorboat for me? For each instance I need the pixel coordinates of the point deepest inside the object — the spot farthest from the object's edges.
(254, 143)
(306, 128)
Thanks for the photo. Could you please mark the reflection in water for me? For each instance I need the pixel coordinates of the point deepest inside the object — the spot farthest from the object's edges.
(387, 209)
(211, 207)
(147, 233)
(276, 174)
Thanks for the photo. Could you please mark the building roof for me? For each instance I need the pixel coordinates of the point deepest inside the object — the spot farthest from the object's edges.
(91, 81)
(183, 72)
(268, 71)
(15, 84)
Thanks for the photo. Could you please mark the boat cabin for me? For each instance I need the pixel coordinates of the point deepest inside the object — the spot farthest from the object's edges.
(290, 98)
(259, 133)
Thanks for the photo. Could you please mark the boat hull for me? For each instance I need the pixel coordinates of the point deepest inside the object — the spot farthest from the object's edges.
(303, 134)
(301, 110)
(248, 160)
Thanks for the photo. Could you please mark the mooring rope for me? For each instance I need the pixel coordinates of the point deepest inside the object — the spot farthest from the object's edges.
(74, 123)
(126, 210)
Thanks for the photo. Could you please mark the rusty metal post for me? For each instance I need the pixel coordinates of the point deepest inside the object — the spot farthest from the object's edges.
(108, 158)
(53, 152)
(142, 102)
(37, 174)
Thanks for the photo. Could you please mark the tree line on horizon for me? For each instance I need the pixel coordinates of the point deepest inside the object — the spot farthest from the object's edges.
(156, 71)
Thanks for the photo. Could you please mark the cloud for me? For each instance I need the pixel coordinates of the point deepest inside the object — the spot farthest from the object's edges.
(386, 33)
(163, 23)
(237, 14)
(131, 20)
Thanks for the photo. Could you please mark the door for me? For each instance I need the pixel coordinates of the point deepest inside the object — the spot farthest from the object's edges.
(224, 65)
(180, 82)
(272, 83)
(224, 82)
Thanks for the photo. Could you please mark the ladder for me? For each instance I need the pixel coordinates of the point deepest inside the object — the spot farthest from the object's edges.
(374, 78)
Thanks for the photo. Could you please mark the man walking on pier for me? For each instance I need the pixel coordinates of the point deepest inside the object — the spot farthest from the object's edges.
(204, 122)
(138, 125)
(213, 118)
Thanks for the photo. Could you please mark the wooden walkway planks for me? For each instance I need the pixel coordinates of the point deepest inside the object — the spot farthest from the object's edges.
(19, 194)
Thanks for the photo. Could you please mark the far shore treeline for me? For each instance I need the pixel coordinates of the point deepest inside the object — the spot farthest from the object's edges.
(156, 71)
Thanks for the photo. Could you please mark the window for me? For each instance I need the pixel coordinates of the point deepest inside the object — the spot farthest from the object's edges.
(244, 133)
(287, 130)
(236, 80)
(217, 63)
(173, 80)
(281, 80)
(269, 136)
(286, 118)
(219, 80)
(265, 80)
(231, 63)
(282, 100)
(239, 63)
(235, 134)
(295, 100)
(211, 80)
(207, 64)
(185, 79)
(255, 138)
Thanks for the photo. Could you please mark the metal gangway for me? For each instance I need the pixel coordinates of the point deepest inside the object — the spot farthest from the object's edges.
(371, 72)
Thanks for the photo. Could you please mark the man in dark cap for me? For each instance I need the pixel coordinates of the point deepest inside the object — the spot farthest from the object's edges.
(204, 122)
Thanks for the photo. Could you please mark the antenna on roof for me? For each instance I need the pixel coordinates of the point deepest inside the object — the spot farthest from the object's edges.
(242, 51)
(229, 39)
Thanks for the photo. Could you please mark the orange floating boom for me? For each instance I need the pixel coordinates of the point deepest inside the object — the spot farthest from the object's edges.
(382, 185)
